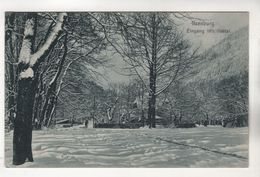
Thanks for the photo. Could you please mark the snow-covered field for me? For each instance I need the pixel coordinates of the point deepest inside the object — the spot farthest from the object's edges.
(81, 147)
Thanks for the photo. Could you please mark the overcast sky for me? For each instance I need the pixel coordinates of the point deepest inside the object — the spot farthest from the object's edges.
(224, 24)
(222, 21)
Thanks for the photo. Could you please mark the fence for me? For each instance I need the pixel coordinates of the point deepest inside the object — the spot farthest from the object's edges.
(114, 125)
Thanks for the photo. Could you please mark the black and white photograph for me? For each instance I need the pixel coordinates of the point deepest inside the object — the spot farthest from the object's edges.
(126, 89)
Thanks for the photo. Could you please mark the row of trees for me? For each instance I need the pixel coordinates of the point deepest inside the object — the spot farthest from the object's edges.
(41, 49)
(155, 51)
(45, 53)
(51, 67)
(218, 89)
(213, 101)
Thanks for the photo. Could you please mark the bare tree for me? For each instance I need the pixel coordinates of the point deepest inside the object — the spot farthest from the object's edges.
(29, 60)
(13, 38)
(77, 47)
(154, 49)
(85, 43)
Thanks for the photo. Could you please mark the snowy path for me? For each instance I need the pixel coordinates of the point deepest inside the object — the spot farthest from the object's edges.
(196, 147)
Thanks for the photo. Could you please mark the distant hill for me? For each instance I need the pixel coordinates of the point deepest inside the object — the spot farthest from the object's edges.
(227, 58)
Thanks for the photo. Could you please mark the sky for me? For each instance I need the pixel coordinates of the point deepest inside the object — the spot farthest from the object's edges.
(224, 24)
(204, 31)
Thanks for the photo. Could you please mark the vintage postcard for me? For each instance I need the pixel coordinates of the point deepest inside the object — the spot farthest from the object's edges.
(126, 89)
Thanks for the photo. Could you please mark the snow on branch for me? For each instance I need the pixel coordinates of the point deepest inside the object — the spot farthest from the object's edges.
(26, 56)
(51, 38)
(28, 73)
(25, 53)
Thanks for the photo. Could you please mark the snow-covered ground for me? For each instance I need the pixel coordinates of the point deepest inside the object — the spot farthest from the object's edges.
(81, 147)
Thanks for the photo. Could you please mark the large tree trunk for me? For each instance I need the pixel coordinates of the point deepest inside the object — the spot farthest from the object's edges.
(37, 103)
(29, 61)
(152, 77)
(22, 136)
(151, 111)
(22, 139)
(152, 99)
(152, 105)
